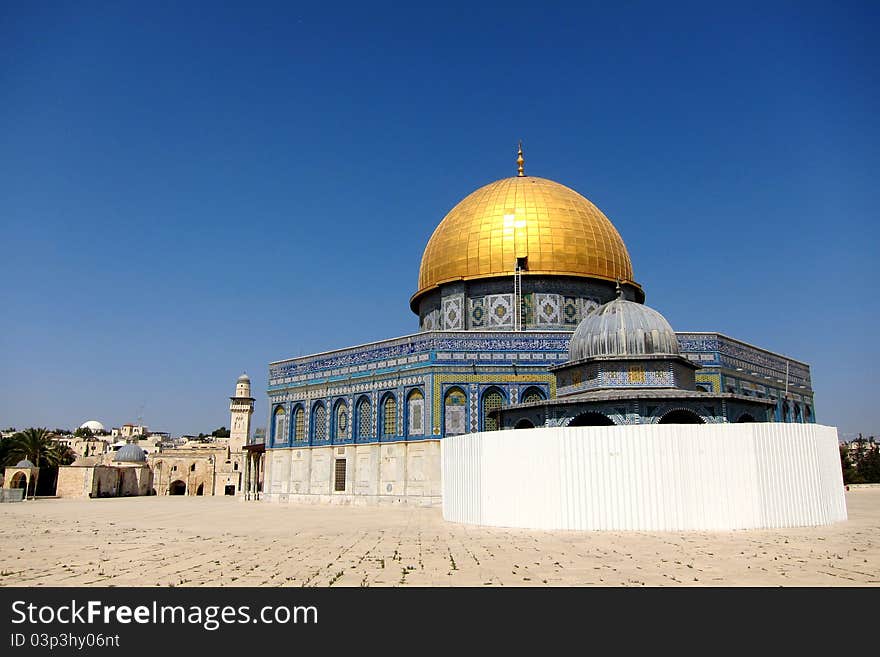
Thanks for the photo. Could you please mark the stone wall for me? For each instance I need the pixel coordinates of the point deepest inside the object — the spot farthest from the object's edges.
(404, 472)
(75, 481)
(204, 471)
(103, 481)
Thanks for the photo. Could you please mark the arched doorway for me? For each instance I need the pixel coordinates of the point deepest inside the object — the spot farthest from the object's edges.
(177, 487)
(19, 480)
(524, 424)
(200, 490)
(591, 419)
(681, 416)
(746, 417)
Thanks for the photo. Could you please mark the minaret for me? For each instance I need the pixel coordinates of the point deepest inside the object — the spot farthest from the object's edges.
(241, 407)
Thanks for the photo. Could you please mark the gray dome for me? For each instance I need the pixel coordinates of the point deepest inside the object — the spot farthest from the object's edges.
(622, 328)
(130, 454)
(24, 463)
(244, 378)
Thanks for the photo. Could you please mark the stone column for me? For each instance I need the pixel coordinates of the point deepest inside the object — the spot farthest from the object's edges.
(247, 468)
(257, 478)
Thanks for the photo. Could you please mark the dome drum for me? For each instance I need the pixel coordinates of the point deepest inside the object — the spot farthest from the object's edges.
(548, 303)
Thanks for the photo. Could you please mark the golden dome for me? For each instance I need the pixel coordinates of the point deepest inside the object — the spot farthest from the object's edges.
(560, 232)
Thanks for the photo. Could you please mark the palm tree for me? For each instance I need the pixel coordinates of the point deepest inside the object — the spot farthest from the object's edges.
(37, 446)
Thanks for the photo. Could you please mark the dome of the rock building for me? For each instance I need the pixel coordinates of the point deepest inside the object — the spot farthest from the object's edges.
(130, 454)
(623, 328)
(556, 229)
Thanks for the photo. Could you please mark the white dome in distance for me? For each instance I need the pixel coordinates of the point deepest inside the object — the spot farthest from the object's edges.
(94, 425)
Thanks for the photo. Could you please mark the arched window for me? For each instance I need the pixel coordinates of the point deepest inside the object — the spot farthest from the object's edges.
(746, 417)
(592, 419)
(532, 395)
(319, 422)
(279, 434)
(455, 412)
(525, 423)
(785, 412)
(808, 413)
(340, 420)
(681, 416)
(492, 399)
(389, 416)
(364, 418)
(299, 423)
(415, 408)
(797, 412)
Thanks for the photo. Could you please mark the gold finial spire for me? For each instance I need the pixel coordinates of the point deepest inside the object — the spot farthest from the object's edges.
(520, 160)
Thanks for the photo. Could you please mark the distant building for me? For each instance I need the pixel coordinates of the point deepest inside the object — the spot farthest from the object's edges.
(145, 463)
(862, 446)
(129, 431)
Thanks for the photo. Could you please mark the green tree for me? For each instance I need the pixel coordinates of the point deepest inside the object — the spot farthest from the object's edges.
(869, 465)
(5, 448)
(38, 447)
(83, 432)
(222, 432)
(850, 473)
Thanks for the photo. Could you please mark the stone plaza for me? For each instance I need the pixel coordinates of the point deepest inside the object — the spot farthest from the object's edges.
(221, 541)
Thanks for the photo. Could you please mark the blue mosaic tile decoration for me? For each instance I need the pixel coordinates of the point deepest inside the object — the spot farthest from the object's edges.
(465, 358)
(499, 310)
(571, 315)
(453, 312)
(548, 309)
(477, 312)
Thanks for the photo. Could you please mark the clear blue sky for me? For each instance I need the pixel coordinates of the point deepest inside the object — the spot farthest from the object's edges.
(188, 191)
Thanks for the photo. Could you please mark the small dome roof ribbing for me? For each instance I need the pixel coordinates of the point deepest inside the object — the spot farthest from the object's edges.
(24, 463)
(130, 454)
(623, 329)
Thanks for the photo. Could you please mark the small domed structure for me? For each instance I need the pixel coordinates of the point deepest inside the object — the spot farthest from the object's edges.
(24, 463)
(92, 425)
(130, 454)
(244, 378)
(622, 328)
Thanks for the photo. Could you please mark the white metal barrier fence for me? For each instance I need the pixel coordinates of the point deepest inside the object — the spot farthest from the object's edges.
(645, 477)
